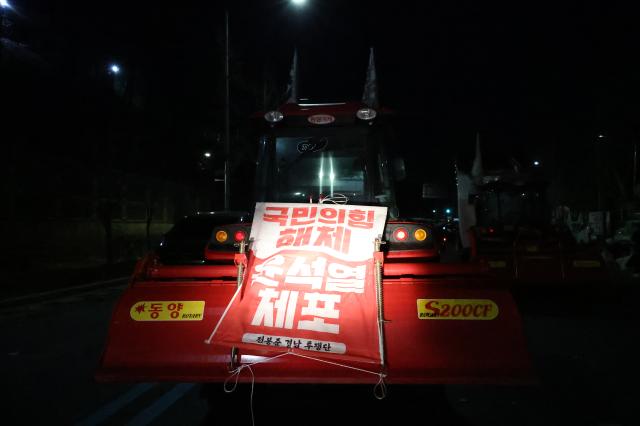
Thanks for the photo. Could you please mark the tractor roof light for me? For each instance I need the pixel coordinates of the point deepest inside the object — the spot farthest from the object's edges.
(273, 116)
(221, 236)
(366, 114)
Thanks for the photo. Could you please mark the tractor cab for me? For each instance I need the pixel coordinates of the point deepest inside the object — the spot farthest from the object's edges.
(325, 153)
(334, 153)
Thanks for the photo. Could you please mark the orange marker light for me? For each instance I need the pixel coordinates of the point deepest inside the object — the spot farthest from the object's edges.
(221, 236)
(420, 234)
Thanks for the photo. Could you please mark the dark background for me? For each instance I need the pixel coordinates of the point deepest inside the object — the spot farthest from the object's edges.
(95, 167)
(536, 80)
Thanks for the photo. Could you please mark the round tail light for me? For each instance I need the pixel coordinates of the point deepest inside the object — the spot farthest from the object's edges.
(239, 236)
(400, 234)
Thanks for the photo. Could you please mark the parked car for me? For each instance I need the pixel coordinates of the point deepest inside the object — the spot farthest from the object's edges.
(186, 241)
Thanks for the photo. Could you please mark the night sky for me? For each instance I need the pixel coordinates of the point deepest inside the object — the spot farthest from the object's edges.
(537, 80)
(96, 168)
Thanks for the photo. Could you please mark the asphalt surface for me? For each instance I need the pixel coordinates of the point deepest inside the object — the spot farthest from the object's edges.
(581, 339)
(34, 279)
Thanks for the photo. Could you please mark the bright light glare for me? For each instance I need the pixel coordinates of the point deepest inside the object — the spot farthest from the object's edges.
(332, 175)
(207, 154)
(447, 211)
(400, 234)
(299, 2)
(5, 4)
(536, 163)
(114, 69)
(321, 172)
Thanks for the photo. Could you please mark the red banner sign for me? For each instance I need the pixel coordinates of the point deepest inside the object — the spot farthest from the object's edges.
(309, 286)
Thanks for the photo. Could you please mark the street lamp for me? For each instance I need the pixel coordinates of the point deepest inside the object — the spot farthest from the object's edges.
(118, 77)
(600, 147)
(299, 2)
(635, 169)
(4, 21)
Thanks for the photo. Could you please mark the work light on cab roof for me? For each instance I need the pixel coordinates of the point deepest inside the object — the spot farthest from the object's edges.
(273, 116)
(366, 114)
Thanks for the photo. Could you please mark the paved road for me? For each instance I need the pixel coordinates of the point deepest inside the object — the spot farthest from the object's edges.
(582, 349)
(50, 350)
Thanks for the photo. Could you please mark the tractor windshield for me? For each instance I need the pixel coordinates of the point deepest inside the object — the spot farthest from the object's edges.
(298, 165)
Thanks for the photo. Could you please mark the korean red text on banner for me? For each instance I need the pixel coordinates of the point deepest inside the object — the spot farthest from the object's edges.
(310, 283)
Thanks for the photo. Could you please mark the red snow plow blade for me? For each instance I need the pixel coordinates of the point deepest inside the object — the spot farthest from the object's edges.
(446, 323)
(539, 262)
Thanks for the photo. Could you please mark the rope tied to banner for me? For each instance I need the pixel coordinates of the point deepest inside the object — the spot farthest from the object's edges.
(378, 257)
(379, 390)
(270, 274)
(334, 198)
(240, 260)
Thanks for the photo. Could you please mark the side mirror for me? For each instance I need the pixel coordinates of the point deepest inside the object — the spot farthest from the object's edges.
(399, 171)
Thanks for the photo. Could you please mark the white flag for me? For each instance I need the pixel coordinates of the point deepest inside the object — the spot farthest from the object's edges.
(370, 94)
(293, 83)
(477, 171)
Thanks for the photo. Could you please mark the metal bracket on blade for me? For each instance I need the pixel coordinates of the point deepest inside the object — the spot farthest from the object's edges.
(379, 298)
(240, 260)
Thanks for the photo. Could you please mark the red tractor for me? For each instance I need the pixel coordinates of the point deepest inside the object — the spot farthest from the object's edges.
(443, 322)
(514, 236)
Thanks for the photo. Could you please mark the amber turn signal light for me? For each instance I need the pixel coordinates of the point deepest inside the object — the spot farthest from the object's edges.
(221, 236)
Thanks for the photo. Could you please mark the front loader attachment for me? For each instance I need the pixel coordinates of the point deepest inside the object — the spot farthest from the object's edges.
(444, 323)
